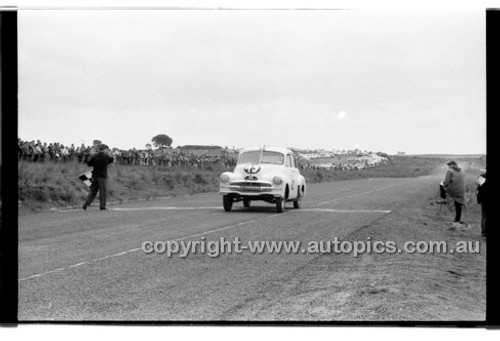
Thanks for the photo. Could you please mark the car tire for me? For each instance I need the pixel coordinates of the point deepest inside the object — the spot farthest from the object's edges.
(227, 202)
(246, 203)
(280, 205)
(297, 202)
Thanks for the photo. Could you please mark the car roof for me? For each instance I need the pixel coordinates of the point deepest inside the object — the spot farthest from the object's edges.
(271, 149)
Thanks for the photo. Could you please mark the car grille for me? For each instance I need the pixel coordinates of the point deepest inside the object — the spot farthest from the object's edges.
(255, 187)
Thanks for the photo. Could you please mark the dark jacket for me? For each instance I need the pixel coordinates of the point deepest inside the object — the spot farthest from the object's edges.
(100, 162)
(481, 188)
(454, 184)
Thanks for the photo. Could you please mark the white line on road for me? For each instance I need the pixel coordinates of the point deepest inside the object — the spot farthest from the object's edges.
(122, 253)
(134, 250)
(163, 208)
(332, 210)
(167, 208)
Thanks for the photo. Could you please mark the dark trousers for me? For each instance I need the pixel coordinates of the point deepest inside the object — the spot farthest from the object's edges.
(483, 218)
(458, 211)
(442, 192)
(98, 185)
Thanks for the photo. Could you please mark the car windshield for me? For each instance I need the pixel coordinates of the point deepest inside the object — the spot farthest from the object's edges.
(255, 157)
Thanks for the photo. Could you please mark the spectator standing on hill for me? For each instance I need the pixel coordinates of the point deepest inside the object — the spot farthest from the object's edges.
(454, 185)
(38, 151)
(100, 162)
(481, 199)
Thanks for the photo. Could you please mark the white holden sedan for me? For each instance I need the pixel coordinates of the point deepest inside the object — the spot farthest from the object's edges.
(268, 174)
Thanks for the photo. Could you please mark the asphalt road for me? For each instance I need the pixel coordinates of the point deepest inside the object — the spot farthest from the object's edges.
(88, 265)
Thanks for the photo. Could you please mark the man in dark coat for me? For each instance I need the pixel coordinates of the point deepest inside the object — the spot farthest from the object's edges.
(454, 185)
(481, 199)
(100, 162)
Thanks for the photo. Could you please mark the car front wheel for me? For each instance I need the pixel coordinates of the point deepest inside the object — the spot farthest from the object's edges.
(280, 205)
(227, 202)
(297, 202)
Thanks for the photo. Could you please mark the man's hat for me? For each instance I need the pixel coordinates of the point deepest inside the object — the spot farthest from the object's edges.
(452, 163)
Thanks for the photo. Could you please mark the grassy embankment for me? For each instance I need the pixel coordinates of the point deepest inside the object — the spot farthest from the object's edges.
(49, 185)
(397, 167)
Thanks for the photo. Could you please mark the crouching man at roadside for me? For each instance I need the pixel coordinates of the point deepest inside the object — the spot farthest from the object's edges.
(100, 162)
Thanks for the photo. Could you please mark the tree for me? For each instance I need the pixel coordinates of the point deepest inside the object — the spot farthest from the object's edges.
(96, 142)
(161, 140)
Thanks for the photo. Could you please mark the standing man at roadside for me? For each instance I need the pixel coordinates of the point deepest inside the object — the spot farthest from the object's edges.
(454, 185)
(100, 162)
(481, 199)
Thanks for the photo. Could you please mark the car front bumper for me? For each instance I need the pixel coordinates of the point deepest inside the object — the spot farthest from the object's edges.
(251, 191)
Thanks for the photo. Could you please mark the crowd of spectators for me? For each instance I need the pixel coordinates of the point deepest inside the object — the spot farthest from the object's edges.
(37, 151)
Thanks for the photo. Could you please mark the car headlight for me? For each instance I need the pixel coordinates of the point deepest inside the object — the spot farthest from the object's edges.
(277, 180)
(224, 178)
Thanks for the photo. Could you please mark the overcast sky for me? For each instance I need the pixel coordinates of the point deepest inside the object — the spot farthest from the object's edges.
(380, 81)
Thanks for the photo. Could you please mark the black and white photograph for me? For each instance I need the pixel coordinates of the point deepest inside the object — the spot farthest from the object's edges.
(251, 165)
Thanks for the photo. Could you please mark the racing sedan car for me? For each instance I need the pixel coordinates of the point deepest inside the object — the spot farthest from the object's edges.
(268, 174)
